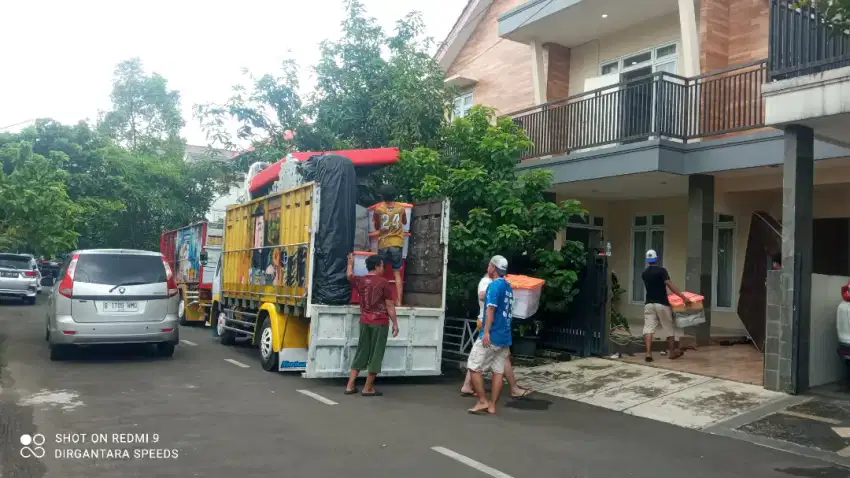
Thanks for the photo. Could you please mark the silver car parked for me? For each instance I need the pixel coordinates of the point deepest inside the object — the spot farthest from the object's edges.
(19, 277)
(113, 296)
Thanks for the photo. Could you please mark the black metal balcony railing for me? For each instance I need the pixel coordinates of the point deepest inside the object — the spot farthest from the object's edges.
(802, 41)
(658, 105)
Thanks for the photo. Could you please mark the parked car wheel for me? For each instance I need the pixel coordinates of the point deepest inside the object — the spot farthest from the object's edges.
(29, 300)
(268, 357)
(165, 349)
(59, 352)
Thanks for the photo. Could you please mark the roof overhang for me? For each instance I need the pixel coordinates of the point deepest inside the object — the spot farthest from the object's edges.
(460, 81)
(574, 22)
(460, 33)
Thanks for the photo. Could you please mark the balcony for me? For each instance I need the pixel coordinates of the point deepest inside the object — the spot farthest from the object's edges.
(809, 70)
(660, 105)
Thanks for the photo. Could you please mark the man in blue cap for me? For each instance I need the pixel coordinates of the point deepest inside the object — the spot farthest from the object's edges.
(657, 308)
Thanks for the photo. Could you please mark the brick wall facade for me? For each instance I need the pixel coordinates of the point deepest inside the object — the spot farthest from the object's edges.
(732, 32)
(503, 71)
(557, 72)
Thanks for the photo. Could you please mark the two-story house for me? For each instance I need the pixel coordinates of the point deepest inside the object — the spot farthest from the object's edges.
(650, 112)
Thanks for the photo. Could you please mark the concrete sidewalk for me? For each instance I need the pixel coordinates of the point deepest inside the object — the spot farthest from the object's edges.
(683, 399)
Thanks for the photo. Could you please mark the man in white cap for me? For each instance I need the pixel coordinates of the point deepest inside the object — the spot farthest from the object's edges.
(657, 308)
(494, 341)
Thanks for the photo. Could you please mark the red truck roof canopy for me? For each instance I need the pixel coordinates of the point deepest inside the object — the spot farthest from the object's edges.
(360, 157)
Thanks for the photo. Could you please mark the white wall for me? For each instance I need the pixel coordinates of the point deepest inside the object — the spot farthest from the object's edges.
(219, 206)
(586, 59)
(825, 366)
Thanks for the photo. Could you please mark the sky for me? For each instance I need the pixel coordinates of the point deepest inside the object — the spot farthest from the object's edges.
(58, 56)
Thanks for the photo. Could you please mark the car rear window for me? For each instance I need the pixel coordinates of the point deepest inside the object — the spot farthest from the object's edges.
(14, 262)
(114, 269)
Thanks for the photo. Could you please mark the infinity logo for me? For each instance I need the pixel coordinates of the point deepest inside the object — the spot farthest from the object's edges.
(36, 451)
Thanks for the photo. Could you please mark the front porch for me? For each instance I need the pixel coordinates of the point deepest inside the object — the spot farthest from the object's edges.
(702, 228)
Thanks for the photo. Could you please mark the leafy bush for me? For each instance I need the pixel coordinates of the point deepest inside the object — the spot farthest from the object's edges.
(495, 209)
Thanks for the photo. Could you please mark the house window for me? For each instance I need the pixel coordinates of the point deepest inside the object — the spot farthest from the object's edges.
(647, 233)
(661, 58)
(724, 261)
(586, 230)
(461, 105)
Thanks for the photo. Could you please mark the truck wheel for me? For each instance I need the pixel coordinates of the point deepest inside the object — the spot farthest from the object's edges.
(181, 311)
(228, 337)
(268, 357)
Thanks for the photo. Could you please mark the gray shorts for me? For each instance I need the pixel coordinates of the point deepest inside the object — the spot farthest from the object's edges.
(392, 256)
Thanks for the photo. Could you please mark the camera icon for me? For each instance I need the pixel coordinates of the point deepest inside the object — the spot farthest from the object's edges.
(35, 451)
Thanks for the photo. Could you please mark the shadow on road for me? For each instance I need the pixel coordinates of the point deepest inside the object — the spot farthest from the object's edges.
(114, 354)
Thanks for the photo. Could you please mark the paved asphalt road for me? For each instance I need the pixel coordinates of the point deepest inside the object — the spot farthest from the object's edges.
(224, 421)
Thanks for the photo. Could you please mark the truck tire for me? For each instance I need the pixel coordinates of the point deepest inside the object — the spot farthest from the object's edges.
(181, 311)
(268, 357)
(228, 337)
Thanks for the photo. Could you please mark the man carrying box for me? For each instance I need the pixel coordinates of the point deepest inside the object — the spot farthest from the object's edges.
(657, 309)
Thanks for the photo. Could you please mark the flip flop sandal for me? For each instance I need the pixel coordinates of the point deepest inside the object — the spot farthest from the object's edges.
(482, 413)
(352, 391)
(372, 394)
(524, 394)
(467, 394)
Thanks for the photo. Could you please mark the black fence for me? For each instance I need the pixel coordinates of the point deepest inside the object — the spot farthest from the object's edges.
(802, 41)
(582, 330)
(660, 105)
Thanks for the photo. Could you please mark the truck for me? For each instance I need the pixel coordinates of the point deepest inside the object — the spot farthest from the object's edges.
(192, 252)
(274, 282)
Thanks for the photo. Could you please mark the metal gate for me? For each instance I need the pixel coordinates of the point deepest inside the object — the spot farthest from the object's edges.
(582, 329)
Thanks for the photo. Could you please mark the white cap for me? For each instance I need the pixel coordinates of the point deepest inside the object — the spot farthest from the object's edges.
(500, 263)
(651, 256)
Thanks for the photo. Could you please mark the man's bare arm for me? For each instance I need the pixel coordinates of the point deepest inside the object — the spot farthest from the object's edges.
(349, 271)
(488, 318)
(675, 290)
(391, 311)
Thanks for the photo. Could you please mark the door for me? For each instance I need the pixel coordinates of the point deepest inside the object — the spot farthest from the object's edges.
(637, 105)
(417, 351)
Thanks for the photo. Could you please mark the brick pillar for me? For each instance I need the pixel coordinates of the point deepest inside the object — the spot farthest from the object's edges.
(714, 34)
(557, 88)
(701, 246)
(796, 283)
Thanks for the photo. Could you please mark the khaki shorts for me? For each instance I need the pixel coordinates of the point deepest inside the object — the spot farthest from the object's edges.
(653, 314)
(483, 359)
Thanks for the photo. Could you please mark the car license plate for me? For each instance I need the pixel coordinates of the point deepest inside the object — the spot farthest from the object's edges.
(120, 306)
(11, 275)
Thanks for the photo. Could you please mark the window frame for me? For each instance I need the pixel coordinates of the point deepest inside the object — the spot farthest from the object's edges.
(718, 225)
(461, 97)
(647, 229)
(654, 61)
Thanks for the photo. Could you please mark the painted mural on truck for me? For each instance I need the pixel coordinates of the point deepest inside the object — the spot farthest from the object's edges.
(188, 254)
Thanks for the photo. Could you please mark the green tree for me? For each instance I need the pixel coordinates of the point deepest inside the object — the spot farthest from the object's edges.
(836, 12)
(495, 210)
(36, 214)
(145, 115)
(373, 89)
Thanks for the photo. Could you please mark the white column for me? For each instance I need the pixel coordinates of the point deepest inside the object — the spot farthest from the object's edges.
(690, 37)
(538, 72)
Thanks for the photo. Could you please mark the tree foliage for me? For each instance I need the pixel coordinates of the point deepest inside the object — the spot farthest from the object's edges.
(145, 115)
(36, 214)
(117, 185)
(373, 89)
(495, 210)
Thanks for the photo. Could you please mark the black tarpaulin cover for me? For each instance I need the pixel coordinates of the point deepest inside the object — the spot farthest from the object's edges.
(337, 223)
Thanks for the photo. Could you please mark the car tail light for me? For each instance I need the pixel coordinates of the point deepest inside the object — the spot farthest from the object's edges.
(69, 332)
(169, 276)
(66, 286)
(30, 274)
(168, 330)
(845, 292)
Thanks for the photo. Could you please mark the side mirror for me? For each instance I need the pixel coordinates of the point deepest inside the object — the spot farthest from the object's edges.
(204, 256)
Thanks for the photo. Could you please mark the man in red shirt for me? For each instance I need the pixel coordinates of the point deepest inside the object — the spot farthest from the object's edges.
(376, 310)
